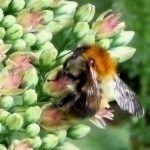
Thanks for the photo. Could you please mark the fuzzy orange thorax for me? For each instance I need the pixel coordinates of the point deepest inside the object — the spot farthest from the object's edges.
(103, 63)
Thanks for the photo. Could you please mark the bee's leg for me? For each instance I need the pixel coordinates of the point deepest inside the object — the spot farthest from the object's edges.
(105, 113)
(68, 100)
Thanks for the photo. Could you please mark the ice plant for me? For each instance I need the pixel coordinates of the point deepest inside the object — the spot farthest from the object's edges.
(31, 53)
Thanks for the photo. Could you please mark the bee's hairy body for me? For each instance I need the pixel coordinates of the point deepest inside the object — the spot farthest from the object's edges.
(94, 73)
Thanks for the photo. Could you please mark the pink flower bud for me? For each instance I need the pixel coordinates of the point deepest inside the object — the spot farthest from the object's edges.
(107, 25)
(30, 20)
(23, 147)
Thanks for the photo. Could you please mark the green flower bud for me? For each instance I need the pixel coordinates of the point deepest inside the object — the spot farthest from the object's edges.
(42, 37)
(68, 7)
(65, 20)
(122, 53)
(81, 29)
(66, 146)
(37, 4)
(14, 121)
(61, 134)
(14, 32)
(123, 38)
(17, 5)
(16, 35)
(2, 32)
(6, 102)
(47, 16)
(48, 56)
(2, 129)
(19, 45)
(37, 142)
(4, 3)
(63, 55)
(54, 27)
(1, 14)
(3, 115)
(88, 39)
(2, 147)
(49, 141)
(30, 78)
(55, 4)
(105, 43)
(8, 21)
(30, 97)
(33, 129)
(78, 131)
(33, 114)
(30, 39)
(85, 13)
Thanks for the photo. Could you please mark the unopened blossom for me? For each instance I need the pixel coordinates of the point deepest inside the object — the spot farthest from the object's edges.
(107, 25)
(29, 20)
(23, 147)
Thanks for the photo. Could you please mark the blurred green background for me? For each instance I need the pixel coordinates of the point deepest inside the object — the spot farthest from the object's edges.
(127, 132)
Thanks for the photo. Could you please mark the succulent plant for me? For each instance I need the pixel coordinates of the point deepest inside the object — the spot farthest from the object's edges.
(31, 52)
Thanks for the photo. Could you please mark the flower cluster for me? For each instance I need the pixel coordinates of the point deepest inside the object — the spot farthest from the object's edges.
(36, 37)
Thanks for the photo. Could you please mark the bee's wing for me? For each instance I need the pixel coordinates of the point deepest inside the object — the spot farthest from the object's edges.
(127, 99)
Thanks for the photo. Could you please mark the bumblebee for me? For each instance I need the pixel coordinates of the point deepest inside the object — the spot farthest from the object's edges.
(94, 75)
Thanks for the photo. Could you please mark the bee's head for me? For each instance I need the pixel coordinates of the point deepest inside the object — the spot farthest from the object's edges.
(100, 60)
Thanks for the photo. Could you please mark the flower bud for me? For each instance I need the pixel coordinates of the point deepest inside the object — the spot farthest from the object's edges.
(81, 29)
(14, 121)
(123, 38)
(2, 32)
(78, 131)
(85, 13)
(65, 20)
(66, 146)
(2, 147)
(54, 26)
(63, 55)
(23, 59)
(6, 102)
(107, 25)
(49, 141)
(68, 7)
(30, 97)
(1, 14)
(42, 37)
(88, 39)
(47, 16)
(19, 45)
(30, 39)
(3, 115)
(122, 53)
(14, 32)
(17, 5)
(105, 43)
(25, 144)
(37, 4)
(29, 20)
(33, 129)
(61, 134)
(55, 4)
(8, 21)
(4, 48)
(48, 56)
(4, 3)
(30, 78)
(33, 114)
(2, 129)
(37, 142)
